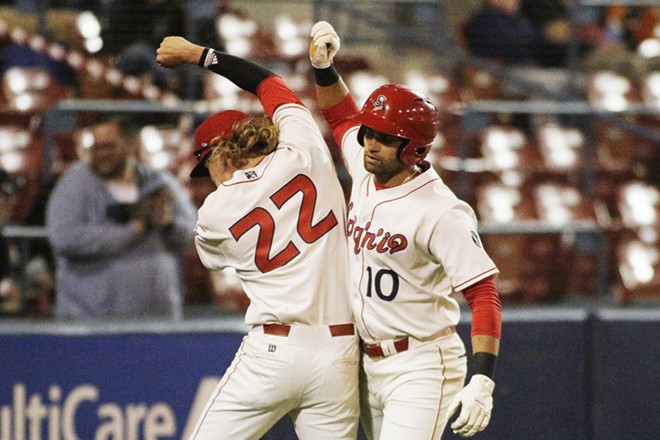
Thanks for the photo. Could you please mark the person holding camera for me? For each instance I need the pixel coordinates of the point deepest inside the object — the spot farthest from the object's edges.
(118, 229)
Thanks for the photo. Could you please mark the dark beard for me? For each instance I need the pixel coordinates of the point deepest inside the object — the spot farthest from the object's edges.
(109, 173)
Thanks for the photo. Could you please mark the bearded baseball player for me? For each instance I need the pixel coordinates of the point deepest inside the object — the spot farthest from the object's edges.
(412, 243)
(277, 217)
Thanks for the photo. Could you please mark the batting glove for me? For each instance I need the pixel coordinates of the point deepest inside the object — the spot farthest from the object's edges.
(324, 45)
(476, 403)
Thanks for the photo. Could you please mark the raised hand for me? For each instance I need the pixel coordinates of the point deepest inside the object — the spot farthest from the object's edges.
(175, 51)
(324, 45)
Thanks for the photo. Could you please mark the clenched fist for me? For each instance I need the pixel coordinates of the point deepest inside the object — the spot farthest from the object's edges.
(324, 45)
(175, 51)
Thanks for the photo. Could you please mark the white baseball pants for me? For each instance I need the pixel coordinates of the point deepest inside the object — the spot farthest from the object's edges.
(407, 395)
(308, 374)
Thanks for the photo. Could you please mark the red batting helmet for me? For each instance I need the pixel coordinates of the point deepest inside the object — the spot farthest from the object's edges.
(399, 111)
(220, 124)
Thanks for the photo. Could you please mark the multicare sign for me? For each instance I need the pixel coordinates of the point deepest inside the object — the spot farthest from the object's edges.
(103, 387)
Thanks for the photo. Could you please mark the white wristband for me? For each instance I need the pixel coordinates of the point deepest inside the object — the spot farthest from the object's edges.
(209, 59)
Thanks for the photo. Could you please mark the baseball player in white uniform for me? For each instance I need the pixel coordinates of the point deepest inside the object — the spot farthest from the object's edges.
(277, 217)
(412, 243)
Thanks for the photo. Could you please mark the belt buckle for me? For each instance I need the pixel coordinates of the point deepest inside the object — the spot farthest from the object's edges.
(387, 348)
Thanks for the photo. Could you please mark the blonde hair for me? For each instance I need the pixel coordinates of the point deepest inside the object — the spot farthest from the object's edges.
(250, 138)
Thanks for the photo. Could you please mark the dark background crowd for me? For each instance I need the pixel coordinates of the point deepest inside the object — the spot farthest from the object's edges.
(569, 199)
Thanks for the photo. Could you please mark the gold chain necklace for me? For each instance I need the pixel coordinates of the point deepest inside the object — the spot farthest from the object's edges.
(415, 172)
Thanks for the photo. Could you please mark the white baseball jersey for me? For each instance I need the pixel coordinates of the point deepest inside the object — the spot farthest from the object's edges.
(267, 221)
(281, 225)
(410, 247)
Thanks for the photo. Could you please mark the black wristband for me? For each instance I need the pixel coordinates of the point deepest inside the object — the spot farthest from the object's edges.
(483, 363)
(202, 59)
(326, 77)
(245, 74)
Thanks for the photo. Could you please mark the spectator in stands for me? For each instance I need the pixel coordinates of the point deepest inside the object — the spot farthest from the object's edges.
(501, 34)
(630, 25)
(10, 290)
(498, 31)
(40, 268)
(26, 280)
(535, 32)
(623, 28)
(591, 32)
(21, 55)
(13, 54)
(119, 230)
(131, 32)
(553, 20)
(536, 39)
(133, 29)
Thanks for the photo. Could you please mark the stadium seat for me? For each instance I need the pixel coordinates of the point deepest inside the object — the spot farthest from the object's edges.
(561, 204)
(363, 82)
(639, 205)
(637, 241)
(21, 154)
(14, 143)
(561, 148)
(508, 149)
(639, 271)
(651, 90)
(291, 37)
(650, 94)
(498, 203)
(29, 89)
(166, 146)
(242, 36)
(219, 94)
(611, 90)
(564, 205)
(480, 85)
(525, 275)
(545, 263)
(613, 147)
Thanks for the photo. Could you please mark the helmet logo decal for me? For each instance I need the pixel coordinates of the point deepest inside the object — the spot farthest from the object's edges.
(379, 102)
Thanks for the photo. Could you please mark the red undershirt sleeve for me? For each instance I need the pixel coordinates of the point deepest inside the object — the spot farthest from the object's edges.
(273, 92)
(339, 118)
(486, 309)
(339, 113)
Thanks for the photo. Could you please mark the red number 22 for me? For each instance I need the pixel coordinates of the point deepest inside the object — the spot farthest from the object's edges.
(261, 218)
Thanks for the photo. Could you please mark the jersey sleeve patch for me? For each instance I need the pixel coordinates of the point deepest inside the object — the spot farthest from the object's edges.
(456, 243)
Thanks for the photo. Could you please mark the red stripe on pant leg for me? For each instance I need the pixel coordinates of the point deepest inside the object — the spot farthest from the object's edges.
(442, 365)
(227, 376)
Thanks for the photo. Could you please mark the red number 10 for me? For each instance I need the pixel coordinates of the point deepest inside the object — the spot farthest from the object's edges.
(261, 218)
